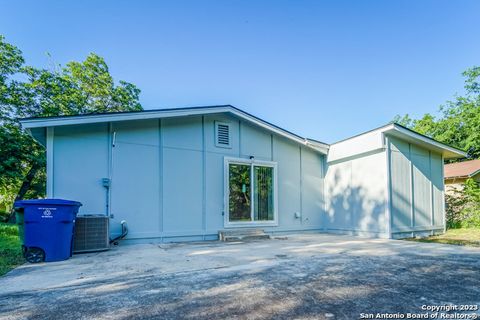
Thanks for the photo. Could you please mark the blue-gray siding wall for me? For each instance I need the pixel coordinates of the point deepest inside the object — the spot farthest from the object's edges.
(416, 189)
(167, 175)
(80, 161)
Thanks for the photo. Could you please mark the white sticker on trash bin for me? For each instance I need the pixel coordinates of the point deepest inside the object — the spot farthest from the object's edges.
(47, 212)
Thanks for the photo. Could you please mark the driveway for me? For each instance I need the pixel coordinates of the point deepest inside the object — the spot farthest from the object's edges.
(309, 276)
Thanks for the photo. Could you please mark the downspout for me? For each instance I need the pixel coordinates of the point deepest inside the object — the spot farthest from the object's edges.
(325, 198)
(107, 183)
(444, 214)
(110, 175)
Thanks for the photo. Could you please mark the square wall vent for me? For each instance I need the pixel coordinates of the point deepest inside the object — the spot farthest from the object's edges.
(222, 135)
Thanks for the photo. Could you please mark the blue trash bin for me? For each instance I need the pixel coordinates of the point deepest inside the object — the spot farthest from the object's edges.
(48, 228)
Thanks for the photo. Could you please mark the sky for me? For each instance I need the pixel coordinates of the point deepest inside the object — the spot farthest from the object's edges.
(322, 69)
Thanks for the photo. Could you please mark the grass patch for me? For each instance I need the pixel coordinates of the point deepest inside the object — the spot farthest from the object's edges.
(460, 237)
(10, 248)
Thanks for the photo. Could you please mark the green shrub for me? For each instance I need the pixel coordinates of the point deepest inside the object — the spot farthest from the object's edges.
(8, 230)
(10, 248)
(463, 206)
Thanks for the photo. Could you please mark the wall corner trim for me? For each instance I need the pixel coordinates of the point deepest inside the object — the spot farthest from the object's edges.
(388, 199)
(50, 159)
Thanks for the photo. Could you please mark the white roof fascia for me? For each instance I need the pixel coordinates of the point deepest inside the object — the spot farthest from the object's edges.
(393, 130)
(447, 151)
(114, 117)
(318, 145)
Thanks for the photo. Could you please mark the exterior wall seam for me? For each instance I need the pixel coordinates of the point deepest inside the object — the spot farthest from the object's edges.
(160, 171)
(301, 186)
(412, 186)
(204, 179)
(443, 195)
(352, 187)
(271, 147)
(324, 177)
(239, 138)
(432, 202)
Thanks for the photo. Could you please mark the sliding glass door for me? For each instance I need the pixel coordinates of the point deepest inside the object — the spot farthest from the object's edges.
(251, 191)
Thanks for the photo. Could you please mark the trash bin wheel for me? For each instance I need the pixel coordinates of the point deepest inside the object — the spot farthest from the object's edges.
(35, 255)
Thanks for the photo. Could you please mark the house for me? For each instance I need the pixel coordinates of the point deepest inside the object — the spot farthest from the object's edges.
(457, 173)
(184, 174)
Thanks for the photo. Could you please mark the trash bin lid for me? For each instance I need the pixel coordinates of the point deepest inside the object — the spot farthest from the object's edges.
(54, 202)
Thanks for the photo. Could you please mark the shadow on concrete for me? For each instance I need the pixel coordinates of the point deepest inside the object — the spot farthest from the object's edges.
(309, 287)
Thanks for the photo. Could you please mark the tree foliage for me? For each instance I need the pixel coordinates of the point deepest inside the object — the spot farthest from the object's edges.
(25, 91)
(458, 123)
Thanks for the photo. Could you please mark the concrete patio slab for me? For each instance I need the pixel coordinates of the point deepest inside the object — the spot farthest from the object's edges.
(309, 276)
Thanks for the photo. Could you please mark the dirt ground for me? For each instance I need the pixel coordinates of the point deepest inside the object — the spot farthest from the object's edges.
(314, 276)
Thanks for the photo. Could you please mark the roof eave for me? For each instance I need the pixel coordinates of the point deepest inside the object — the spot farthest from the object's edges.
(465, 176)
(474, 173)
(447, 151)
(32, 123)
(457, 177)
(120, 116)
(322, 147)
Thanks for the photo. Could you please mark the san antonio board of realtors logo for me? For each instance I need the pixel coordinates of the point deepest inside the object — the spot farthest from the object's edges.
(47, 212)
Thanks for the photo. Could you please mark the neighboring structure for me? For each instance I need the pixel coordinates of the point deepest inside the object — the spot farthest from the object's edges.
(457, 173)
(184, 174)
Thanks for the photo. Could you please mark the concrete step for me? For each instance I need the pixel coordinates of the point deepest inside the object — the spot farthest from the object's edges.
(245, 238)
(242, 235)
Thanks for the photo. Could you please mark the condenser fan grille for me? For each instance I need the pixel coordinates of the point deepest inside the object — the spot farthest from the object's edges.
(91, 233)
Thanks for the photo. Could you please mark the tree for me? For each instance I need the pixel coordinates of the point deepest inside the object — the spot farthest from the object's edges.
(25, 91)
(458, 124)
